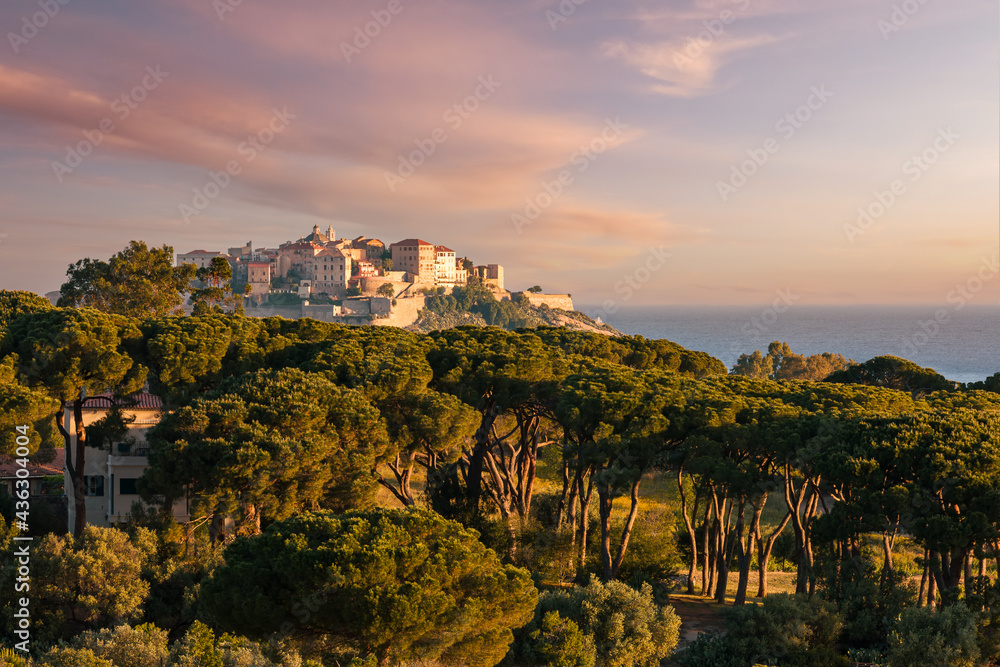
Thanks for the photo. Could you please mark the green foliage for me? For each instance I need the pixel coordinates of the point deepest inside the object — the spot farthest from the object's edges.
(64, 656)
(992, 383)
(626, 625)
(386, 290)
(403, 584)
(712, 650)
(63, 351)
(137, 282)
(197, 648)
(786, 630)
(780, 363)
(111, 430)
(895, 373)
(125, 646)
(535, 289)
(266, 445)
(652, 550)
(559, 643)
(925, 637)
(88, 582)
(633, 351)
(218, 293)
(13, 658)
(14, 303)
(24, 406)
(869, 599)
(478, 299)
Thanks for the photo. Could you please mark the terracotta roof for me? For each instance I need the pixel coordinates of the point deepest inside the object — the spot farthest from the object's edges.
(140, 401)
(331, 252)
(8, 467)
(267, 264)
(299, 246)
(441, 248)
(201, 252)
(411, 242)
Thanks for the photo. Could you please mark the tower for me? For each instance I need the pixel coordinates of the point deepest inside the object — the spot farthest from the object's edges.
(330, 234)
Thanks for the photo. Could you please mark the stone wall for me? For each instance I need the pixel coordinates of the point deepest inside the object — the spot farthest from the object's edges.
(354, 312)
(404, 313)
(560, 301)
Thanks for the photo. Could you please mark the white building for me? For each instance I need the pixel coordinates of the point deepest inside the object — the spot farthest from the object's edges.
(109, 477)
(200, 258)
(445, 270)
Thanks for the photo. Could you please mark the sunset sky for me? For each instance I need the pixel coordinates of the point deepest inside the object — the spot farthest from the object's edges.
(634, 115)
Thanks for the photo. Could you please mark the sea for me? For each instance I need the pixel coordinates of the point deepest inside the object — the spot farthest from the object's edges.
(963, 344)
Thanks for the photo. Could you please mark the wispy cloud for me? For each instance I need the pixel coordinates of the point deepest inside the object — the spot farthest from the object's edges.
(674, 69)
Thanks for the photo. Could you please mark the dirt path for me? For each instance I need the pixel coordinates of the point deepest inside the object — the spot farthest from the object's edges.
(698, 615)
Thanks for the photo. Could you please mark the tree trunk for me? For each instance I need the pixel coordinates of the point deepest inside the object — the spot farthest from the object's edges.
(585, 518)
(474, 479)
(574, 494)
(923, 579)
(764, 549)
(705, 555)
(79, 469)
(744, 548)
(403, 474)
(561, 515)
(627, 529)
(692, 535)
(727, 547)
(932, 579)
(605, 503)
(887, 563)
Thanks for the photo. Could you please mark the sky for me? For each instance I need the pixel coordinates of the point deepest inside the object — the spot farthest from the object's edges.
(630, 153)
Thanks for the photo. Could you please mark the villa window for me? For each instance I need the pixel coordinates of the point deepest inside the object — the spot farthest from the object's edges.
(93, 485)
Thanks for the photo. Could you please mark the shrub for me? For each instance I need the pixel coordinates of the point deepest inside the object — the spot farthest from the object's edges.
(925, 637)
(560, 643)
(869, 599)
(626, 625)
(791, 630)
(87, 582)
(126, 646)
(63, 656)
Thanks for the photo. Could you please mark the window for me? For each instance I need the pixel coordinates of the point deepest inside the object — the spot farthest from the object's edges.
(93, 485)
(126, 486)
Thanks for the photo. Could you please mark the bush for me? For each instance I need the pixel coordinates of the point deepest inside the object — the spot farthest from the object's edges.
(653, 555)
(869, 600)
(560, 643)
(712, 650)
(925, 637)
(626, 625)
(791, 630)
(125, 646)
(87, 582)
(63, 656)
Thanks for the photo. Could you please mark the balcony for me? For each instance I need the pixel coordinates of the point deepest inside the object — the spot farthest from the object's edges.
(131, 449)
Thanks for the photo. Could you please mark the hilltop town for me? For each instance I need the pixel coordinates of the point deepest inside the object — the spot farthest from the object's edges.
(364, 281)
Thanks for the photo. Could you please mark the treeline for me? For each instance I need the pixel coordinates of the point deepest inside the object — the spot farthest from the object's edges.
(534, 450)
